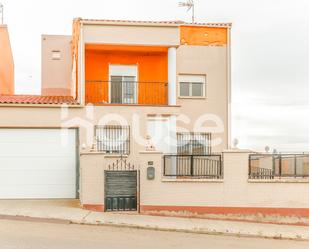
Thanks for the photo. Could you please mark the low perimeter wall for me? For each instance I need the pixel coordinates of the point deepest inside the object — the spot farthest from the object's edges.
(234, 197)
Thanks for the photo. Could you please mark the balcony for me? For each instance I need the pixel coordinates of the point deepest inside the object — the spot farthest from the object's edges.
(130, 75)
(120, 91)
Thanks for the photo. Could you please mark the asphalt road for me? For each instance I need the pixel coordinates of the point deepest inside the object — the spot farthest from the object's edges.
(39, 235)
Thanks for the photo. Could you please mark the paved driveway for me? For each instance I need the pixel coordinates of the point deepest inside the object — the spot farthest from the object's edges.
(39, 235)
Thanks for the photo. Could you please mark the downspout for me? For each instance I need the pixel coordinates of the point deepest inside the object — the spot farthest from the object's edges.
(229, 89)
(81, 66)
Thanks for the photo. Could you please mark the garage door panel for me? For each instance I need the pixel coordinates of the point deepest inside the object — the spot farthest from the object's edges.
(33, 163)
(22, 142)
(36, 177)
(35, 192)
(7, 152)
(53, 139)
(26, 150)
(36, 163)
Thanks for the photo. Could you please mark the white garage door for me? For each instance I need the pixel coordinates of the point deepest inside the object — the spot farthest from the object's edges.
(37, 163)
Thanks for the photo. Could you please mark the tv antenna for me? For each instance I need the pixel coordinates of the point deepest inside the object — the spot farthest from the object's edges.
(1, 12)
(190, 6)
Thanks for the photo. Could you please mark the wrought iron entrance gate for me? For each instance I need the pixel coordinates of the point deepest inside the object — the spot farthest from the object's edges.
(121, 187)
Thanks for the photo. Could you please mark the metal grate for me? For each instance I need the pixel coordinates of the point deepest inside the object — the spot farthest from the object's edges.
(121, 190)
(113, 139)
(193, 166)
(193, 143)
(121, 165)
(270, 166)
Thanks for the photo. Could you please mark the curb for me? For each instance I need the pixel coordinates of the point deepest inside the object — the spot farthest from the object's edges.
(149, 227)
(34, 219)
(195, 231)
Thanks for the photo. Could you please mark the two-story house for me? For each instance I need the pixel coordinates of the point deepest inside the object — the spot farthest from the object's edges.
(123, 89)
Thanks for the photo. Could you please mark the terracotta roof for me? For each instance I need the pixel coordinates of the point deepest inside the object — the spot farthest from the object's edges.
(174, 23)
(36, 99)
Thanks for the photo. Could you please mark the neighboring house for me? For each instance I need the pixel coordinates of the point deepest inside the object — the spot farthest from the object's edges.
(6, 62)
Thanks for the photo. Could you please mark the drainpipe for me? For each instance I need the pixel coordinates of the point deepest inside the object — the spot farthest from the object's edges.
(229, 90)
(81, 68)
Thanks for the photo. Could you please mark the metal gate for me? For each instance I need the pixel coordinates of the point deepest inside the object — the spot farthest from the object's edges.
(121, 187)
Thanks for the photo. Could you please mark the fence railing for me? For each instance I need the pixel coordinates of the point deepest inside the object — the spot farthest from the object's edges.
(126, 92)
(261, 173)
(193, 166)
(270, 166)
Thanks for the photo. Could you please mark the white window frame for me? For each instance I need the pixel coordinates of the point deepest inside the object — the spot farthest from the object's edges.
(123, 70)
(192, 78)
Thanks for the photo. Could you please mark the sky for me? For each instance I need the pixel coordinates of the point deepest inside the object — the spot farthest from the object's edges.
(270, 55)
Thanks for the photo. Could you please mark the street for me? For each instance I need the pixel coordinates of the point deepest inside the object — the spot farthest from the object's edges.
(39, 235)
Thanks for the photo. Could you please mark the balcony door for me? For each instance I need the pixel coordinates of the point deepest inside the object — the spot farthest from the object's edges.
(123, 84)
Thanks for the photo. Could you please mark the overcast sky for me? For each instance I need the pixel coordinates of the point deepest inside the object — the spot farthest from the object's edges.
(270, 55)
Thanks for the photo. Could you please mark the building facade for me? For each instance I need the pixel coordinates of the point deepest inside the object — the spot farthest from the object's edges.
(135, 116)
(116, 89)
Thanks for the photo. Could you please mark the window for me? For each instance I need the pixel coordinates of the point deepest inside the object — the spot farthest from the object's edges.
(162, 131)
(113, 139)
(193, 143)
(56, 55)
(123, 84)
(123, 89)
(192, 85)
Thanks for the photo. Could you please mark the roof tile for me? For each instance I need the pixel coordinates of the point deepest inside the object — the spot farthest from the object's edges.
(176, 22)
(36, 99)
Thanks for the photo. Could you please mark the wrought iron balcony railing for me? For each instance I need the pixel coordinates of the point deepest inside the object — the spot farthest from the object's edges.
(193, 166)
(126, 92)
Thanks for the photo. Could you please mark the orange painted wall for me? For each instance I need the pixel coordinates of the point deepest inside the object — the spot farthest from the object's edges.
(204, 36)
(6, 63)
(152, 67)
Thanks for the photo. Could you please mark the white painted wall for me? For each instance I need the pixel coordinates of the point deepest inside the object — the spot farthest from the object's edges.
(131, 35)
(234, 191)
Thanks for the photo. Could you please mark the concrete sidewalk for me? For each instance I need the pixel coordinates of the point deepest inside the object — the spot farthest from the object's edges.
(70, 212)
